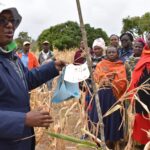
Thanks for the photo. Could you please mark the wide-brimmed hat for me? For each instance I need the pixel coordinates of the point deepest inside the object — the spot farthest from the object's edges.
(14, 12)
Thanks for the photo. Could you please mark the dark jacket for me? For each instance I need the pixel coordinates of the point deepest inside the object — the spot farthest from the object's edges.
(14, 102)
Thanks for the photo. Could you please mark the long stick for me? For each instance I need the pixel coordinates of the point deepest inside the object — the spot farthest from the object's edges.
(88, 58)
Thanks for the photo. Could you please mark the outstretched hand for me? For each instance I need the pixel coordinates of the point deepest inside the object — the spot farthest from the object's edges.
(59, 64)
(38, 118)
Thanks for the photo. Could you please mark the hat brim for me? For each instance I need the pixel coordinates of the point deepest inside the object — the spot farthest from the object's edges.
(15, 14)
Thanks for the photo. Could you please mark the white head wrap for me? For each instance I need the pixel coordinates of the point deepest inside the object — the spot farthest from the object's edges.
(99, 42)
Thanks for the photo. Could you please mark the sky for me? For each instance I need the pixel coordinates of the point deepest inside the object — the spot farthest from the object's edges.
(38, 15)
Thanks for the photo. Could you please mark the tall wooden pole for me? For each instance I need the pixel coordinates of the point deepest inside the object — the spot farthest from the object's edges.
(89, 62)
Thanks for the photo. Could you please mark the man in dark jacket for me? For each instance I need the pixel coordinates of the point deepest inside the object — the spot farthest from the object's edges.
(17, 120)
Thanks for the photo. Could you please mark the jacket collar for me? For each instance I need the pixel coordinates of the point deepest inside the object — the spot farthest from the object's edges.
(5, 62)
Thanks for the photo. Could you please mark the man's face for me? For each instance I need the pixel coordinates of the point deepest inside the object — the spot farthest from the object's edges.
(26, 47)
(46, 47)
(7, 28)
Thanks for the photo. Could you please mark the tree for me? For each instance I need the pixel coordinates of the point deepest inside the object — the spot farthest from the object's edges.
(137, 25)
(68, 35)
(23, 36)
(93, 34)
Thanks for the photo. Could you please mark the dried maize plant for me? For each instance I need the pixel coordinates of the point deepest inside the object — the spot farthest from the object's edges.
(69, 116)
(129, 96)
(73, 115)
(65, 55)
(40, 100)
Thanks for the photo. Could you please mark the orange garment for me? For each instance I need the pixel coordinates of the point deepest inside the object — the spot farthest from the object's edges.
(141, 120)
(143, 63)
(33, 62)
(115, 73)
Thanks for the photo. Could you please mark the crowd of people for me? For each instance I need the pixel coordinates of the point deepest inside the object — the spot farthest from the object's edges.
(29, 59)
(114, 68)
(118, 68)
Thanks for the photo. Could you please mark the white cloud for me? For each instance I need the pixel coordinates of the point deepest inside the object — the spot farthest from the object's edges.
(107, 14)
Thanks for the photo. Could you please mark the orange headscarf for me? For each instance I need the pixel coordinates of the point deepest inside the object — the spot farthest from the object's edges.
(115, 72)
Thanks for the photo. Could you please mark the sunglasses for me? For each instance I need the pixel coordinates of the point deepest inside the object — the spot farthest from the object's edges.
(4, 21)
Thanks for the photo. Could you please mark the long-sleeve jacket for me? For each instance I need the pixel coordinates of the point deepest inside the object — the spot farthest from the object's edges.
(14, 102)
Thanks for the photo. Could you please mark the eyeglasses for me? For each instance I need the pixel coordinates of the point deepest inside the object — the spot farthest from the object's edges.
(4, 21)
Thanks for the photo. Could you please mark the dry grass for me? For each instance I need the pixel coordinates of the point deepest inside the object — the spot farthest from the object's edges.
(65, 55)
(68, 116)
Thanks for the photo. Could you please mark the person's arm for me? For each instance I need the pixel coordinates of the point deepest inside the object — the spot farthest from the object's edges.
(42, 74)
(12, 124)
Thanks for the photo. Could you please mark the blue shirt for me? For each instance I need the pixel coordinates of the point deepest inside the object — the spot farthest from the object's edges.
(125, 54)
(25, 59)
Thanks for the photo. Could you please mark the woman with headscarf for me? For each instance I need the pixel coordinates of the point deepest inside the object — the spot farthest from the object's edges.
(110, 76)
(140, 75)
(17, 120)
(98, 50)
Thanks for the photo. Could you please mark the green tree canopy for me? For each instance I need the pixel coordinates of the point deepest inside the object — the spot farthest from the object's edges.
(137, 25)
(68, 35)
(23, 36)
